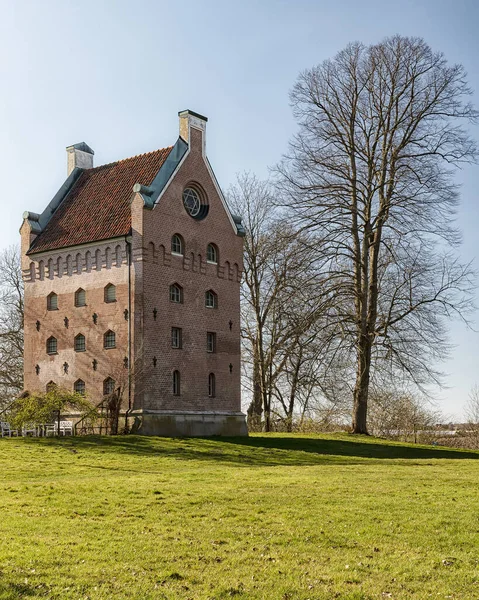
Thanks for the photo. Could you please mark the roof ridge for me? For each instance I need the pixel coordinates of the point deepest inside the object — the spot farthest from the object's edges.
(122, 160)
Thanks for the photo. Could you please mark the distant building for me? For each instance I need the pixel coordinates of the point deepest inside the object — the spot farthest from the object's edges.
(132, 277)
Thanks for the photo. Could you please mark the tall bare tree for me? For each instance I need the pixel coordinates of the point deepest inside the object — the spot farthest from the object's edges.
(11, 325)
(279, 304)
(370, 174)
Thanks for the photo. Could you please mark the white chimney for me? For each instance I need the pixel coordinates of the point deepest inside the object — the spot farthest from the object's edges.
(79, 155)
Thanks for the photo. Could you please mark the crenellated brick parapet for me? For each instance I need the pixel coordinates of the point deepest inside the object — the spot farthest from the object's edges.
(75, 261)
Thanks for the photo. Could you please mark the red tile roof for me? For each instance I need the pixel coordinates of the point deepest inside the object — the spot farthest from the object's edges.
(98, 206)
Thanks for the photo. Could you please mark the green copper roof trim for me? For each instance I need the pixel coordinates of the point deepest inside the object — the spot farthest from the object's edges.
(240, 230)
(41, 221)
(151, 194)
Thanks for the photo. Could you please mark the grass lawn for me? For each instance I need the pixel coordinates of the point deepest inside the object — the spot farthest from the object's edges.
(272, 516)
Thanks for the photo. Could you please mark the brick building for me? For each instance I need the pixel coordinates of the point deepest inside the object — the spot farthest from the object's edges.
(132, 277)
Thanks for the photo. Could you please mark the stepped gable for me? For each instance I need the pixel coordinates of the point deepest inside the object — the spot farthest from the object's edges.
(98, 206)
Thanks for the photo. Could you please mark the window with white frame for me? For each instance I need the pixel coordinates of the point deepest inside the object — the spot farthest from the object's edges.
(211, 299)
(176, 337)
(177, 244)
(210, 341)
(176, 293)
(212, 254)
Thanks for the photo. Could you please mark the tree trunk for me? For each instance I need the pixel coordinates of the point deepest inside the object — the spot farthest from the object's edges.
(267, 412)
(361, 388)
(255, 409)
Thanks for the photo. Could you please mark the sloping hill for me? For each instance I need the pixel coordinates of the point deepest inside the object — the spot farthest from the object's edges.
(270, 516)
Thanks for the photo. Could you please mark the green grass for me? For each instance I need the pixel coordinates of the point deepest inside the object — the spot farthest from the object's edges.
(275, 517)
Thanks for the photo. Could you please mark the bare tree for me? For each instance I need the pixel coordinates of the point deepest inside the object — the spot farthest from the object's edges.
(402, 414)
(370, 175)
(472, 418)
(278, 302)
(11, 325)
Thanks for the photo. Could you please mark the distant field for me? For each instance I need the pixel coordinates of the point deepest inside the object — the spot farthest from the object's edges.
(271, 517)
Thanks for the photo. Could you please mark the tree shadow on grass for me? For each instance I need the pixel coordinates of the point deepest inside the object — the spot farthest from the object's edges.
(260, 450)
(18, 590)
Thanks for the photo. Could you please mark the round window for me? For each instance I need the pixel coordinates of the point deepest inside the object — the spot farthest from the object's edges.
(194, 204)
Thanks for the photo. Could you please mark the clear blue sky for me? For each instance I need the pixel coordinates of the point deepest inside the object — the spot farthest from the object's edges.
(115, 73)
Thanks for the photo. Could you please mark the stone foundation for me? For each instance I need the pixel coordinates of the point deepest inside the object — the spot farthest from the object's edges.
(187, 424)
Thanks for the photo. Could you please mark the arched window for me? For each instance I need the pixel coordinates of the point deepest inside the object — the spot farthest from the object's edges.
(176, 293)
(110, 293)
(176, 383)
(52, 301)
(80, 297)
(177, 245)
(212, 254)
(79, 387)
(80, 345)
(108, 386)
(211, 299)
(52, 345)
(51, 385)
(211, 385)
(109, 339)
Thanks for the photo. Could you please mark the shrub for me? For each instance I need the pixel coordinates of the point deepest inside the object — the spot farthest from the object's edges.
(39, 408)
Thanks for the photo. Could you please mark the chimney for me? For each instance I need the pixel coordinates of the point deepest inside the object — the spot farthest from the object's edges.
(79, 155)
(191, 120)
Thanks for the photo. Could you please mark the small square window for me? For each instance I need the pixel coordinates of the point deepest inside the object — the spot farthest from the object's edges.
(176, 337)
(210, 341)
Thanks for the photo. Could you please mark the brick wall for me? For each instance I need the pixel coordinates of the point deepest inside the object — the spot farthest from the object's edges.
(154, 269)
(63, 274)
(159, 269)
